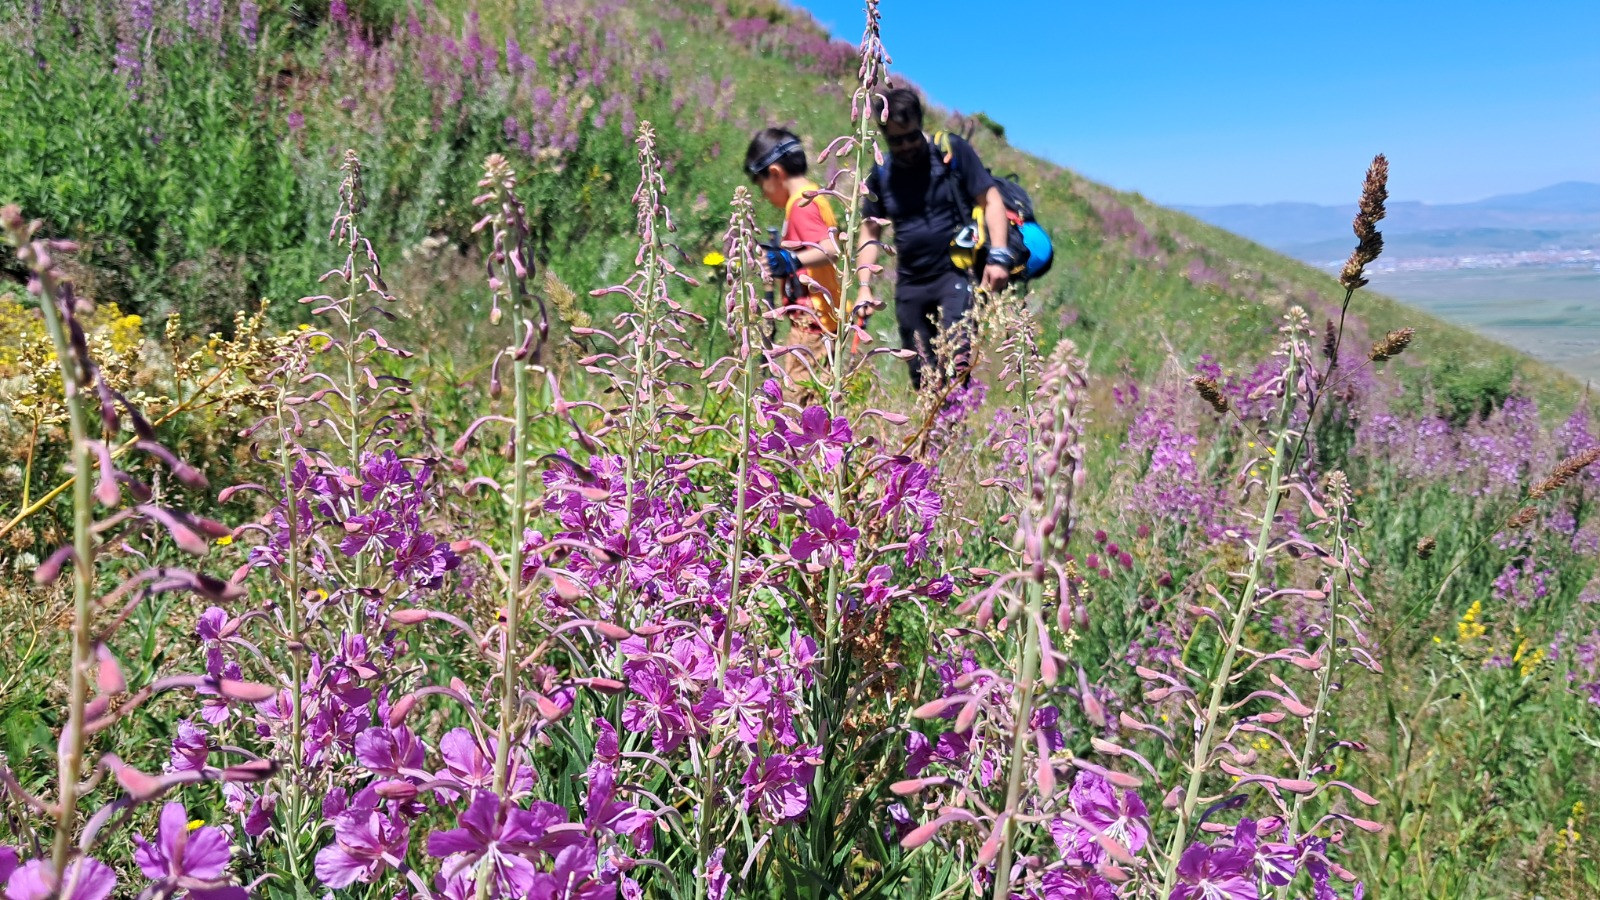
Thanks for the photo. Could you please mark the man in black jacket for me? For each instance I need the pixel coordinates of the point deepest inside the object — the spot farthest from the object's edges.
(928, 200)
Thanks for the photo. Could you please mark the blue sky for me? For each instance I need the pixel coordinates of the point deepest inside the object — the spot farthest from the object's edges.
(1224, 101)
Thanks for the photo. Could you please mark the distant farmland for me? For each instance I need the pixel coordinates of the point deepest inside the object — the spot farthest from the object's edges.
(1549, 313)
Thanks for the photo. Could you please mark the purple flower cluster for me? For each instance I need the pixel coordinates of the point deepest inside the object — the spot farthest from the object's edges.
(1234, 869)
(1162, 442)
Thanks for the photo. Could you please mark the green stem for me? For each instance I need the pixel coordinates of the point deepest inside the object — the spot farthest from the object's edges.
(1324, 690)
(1246, 606)
(292, 604)
(1028, 674)
(354, 427)
(27, 471)
(736, 550)
(71, 758)
(519, 503)
(1027, 669)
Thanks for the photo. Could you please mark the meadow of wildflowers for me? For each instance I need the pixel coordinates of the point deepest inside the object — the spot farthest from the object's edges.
(506, 563)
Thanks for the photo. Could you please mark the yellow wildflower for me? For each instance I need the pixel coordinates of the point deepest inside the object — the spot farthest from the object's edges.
(1531, 661)
(1469, 627)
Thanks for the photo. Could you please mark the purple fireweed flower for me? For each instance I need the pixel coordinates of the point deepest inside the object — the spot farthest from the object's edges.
(471, 763)
(189, 747)
(142, 15)
(741, 704)
(773, 788)
(130, 65)
(1078, 847)
(366, 841)
(952, 747)
(1215, 873)
(1276, 862)
(88, 878)
(532, 561)
(200, 854)
(916, 548)
(656, 709)
(381, 472)
(1120, 817)
(249, 23)
(572, 876)
(505, 835)
(908, 487)
(1074, 884)
(607, 749)
(1317, 865)
(1047, 721)
(388, 751)
(803, 653)
(8, 863)
(367, 531)
(209, 626)
(938, 589)
(919, 753)
(877, 589)
(256, 808)
(830, 538)
(716, 879)
(818, 434)
(605, 813)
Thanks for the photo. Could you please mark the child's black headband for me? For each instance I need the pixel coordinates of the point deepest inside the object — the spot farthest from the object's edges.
(783, 149)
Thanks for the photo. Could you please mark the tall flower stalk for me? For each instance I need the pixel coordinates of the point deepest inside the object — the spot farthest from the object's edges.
(1044, 531)
(739, 243)
(69, 871)
(510, 266)
(863, 153)
(55, 303)
(1243, 609)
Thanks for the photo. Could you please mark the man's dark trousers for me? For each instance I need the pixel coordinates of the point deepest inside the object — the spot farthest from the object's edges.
(926, 309)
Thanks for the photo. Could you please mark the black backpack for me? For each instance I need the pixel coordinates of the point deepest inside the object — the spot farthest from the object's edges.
(1030, 244)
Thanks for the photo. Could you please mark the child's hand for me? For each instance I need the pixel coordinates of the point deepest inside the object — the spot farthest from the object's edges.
(866, 303)
(782, 263)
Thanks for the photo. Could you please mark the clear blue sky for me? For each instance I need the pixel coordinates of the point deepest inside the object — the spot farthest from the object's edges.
(1226, 101)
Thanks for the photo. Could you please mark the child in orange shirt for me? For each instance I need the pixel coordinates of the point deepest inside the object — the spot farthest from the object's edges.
(776, 162)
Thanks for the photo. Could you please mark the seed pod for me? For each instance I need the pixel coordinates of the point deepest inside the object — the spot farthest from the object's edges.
(1210, 392)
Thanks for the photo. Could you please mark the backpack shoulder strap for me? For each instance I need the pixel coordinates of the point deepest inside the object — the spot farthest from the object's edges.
(949, 165)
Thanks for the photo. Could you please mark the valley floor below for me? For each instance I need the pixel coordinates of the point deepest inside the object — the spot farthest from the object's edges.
(1552, 314)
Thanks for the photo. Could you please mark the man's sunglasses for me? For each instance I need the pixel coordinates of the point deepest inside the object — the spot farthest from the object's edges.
(904, 140)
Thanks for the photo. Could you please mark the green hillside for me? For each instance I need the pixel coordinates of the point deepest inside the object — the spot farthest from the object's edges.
(194, 152)
(210, 189)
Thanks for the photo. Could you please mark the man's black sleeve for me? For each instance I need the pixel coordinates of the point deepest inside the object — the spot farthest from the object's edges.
(872, 200)
(975, 179)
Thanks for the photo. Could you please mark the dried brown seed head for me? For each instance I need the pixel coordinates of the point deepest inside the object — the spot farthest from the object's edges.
(1393, 344)
(1369, 242)
(1565, 472)
(1523, 518)
(1210, 392)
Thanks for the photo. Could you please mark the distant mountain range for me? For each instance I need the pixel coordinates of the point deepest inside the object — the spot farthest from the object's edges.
(1560, 217)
